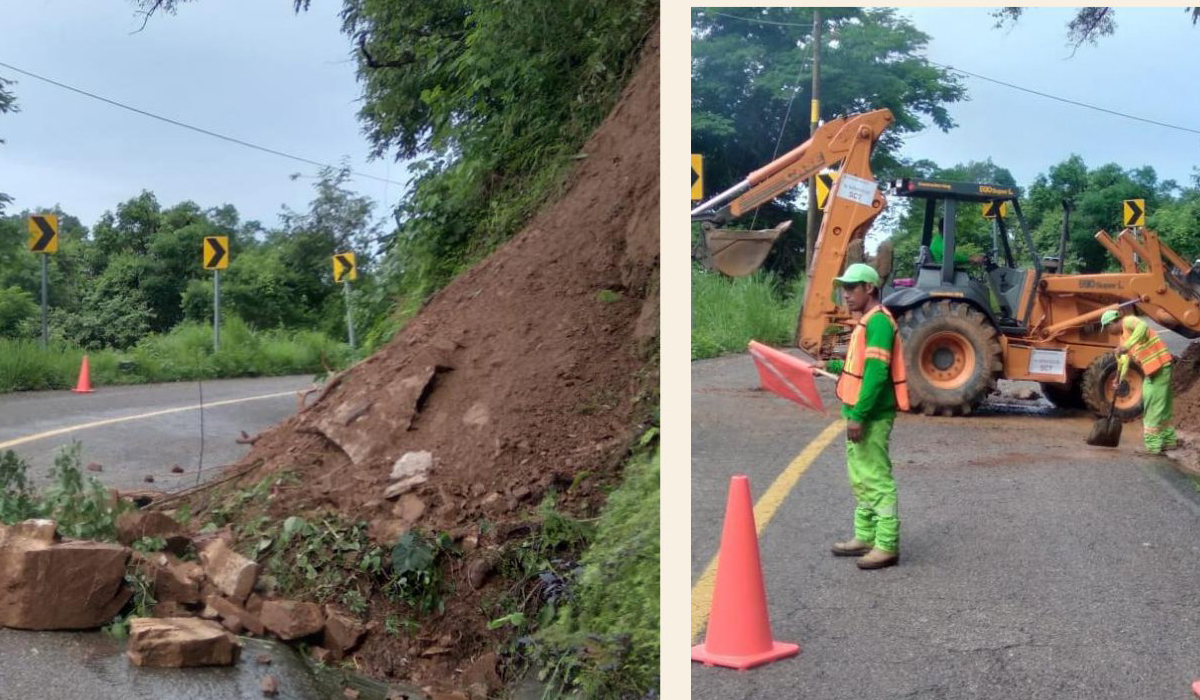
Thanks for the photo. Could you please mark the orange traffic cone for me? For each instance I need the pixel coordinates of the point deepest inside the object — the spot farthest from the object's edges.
(739, 633)
(84, 386)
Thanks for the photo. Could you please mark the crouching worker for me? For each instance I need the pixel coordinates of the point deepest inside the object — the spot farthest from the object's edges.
(1139, 341)
(871, 387)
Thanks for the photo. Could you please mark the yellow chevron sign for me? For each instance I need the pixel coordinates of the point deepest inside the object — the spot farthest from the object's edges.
(344, 267)
(43, 233)
(697, 177)
(216, 253)
(1134, 212)
(993, 209)
(824, 185)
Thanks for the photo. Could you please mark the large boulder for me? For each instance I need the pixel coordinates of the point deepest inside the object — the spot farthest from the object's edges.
(291, 619)
(232, 574)
(343, 632)
(180, 641)
(47, 584)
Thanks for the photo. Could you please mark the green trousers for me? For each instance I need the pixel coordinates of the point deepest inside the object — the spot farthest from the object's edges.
(1156, 413)
(870, 471)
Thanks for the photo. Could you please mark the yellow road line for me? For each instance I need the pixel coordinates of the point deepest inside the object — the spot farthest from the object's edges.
(764, 510)
(109, 421)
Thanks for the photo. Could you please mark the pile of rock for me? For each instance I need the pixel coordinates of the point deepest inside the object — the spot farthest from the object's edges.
(51, 583)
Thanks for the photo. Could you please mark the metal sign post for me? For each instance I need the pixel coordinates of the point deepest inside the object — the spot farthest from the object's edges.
(215, 257)
(345, 268)
(349, 313)
(43, 239)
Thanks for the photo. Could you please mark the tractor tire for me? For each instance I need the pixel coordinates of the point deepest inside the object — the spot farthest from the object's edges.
(1097, 388)
(952, 357)
(1066, 396)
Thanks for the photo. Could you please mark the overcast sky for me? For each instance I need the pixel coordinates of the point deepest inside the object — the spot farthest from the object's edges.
(1147, 69)
(252, 70)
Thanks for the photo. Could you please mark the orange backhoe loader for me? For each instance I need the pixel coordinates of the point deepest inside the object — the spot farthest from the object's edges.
(961, 333)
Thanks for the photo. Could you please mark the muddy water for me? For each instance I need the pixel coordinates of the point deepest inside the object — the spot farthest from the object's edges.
(93, 666)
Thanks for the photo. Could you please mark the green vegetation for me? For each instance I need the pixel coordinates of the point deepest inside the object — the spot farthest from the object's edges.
(80, 506)
(728, 313)
(604, 640)
(327, 558)
(184, 353)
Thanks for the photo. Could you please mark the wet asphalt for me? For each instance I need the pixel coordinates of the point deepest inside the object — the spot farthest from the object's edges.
(1032, 565)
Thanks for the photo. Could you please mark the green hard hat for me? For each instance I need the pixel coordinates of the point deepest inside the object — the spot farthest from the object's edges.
(1108, 317)
(859, 272)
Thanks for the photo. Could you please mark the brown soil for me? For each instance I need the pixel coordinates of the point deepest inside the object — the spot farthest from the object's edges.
(519, 377)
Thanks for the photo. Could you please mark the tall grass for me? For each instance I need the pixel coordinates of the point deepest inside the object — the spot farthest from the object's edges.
(727, 313)
(184, 353)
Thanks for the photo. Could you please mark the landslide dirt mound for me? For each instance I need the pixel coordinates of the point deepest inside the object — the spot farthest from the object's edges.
(528, 373)
(1186, 390)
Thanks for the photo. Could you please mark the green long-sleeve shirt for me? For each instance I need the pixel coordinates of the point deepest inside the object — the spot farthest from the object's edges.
(876, 398)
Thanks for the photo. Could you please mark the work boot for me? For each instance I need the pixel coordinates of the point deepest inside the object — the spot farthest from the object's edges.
(878, 559)
(854, 547)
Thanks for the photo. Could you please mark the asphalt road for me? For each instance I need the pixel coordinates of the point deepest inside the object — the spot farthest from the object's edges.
(139, 431)
(1032, 565)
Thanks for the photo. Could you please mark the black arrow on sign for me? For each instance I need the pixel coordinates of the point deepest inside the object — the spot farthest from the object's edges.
(1137, 212)
(47, 233)
(993, 209)
(695, 176)
(218, 252)
(347, 266)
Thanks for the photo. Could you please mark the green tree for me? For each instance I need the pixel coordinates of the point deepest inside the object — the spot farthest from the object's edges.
(751, 88)
(8, 103)
(16, 309)
(1087, 26)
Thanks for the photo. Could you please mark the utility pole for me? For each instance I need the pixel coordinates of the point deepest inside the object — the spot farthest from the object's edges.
(811, 228)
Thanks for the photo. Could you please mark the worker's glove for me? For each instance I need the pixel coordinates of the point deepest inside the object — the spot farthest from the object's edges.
(1122, 367)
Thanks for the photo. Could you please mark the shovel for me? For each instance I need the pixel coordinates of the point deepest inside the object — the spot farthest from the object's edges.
(1106, 432)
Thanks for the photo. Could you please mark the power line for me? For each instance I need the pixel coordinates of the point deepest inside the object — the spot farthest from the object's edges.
(197, 129)
(760, 21)
(992, 80)
(1064, 99)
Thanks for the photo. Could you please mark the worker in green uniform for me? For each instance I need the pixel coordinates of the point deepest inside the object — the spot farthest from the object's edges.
(871, 386)
(937, 250)
(1139, 341)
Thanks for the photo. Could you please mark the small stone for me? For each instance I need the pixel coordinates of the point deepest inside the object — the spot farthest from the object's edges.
(410, 508)
(404, 486)
(229, 571)
(342, 632)
(94, 467)
(470, 543)
(263, 659)
(269, 685)
(521, 493)
(478, 572)
(176, 469)
(387, 531)
(412, 464)
(148, 479)
(350, 693)
(321, 655)
(490, 499)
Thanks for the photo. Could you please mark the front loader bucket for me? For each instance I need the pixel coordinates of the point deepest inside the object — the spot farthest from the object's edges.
(739, 253)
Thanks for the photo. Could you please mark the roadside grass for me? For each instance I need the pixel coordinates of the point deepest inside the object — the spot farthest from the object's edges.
(184, 353)
(727, 313)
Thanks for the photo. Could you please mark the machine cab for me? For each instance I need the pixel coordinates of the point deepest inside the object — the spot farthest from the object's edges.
(1000, 289)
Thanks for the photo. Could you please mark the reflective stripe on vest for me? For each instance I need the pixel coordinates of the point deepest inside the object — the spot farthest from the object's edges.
(850, 383)
(1152, 353)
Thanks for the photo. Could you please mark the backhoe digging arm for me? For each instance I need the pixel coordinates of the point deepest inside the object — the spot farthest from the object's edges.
(854, 202)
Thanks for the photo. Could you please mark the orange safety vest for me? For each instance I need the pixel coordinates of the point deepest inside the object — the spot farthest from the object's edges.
(1152, 353)
(850, 383)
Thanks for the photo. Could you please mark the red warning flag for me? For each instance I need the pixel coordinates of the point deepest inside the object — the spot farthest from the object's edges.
(786, 376)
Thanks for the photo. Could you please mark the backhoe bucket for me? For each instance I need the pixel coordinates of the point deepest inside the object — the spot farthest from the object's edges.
(739, 253)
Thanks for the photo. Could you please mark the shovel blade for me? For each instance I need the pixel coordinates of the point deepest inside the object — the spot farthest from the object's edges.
(1106, 432)
(739, 253)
